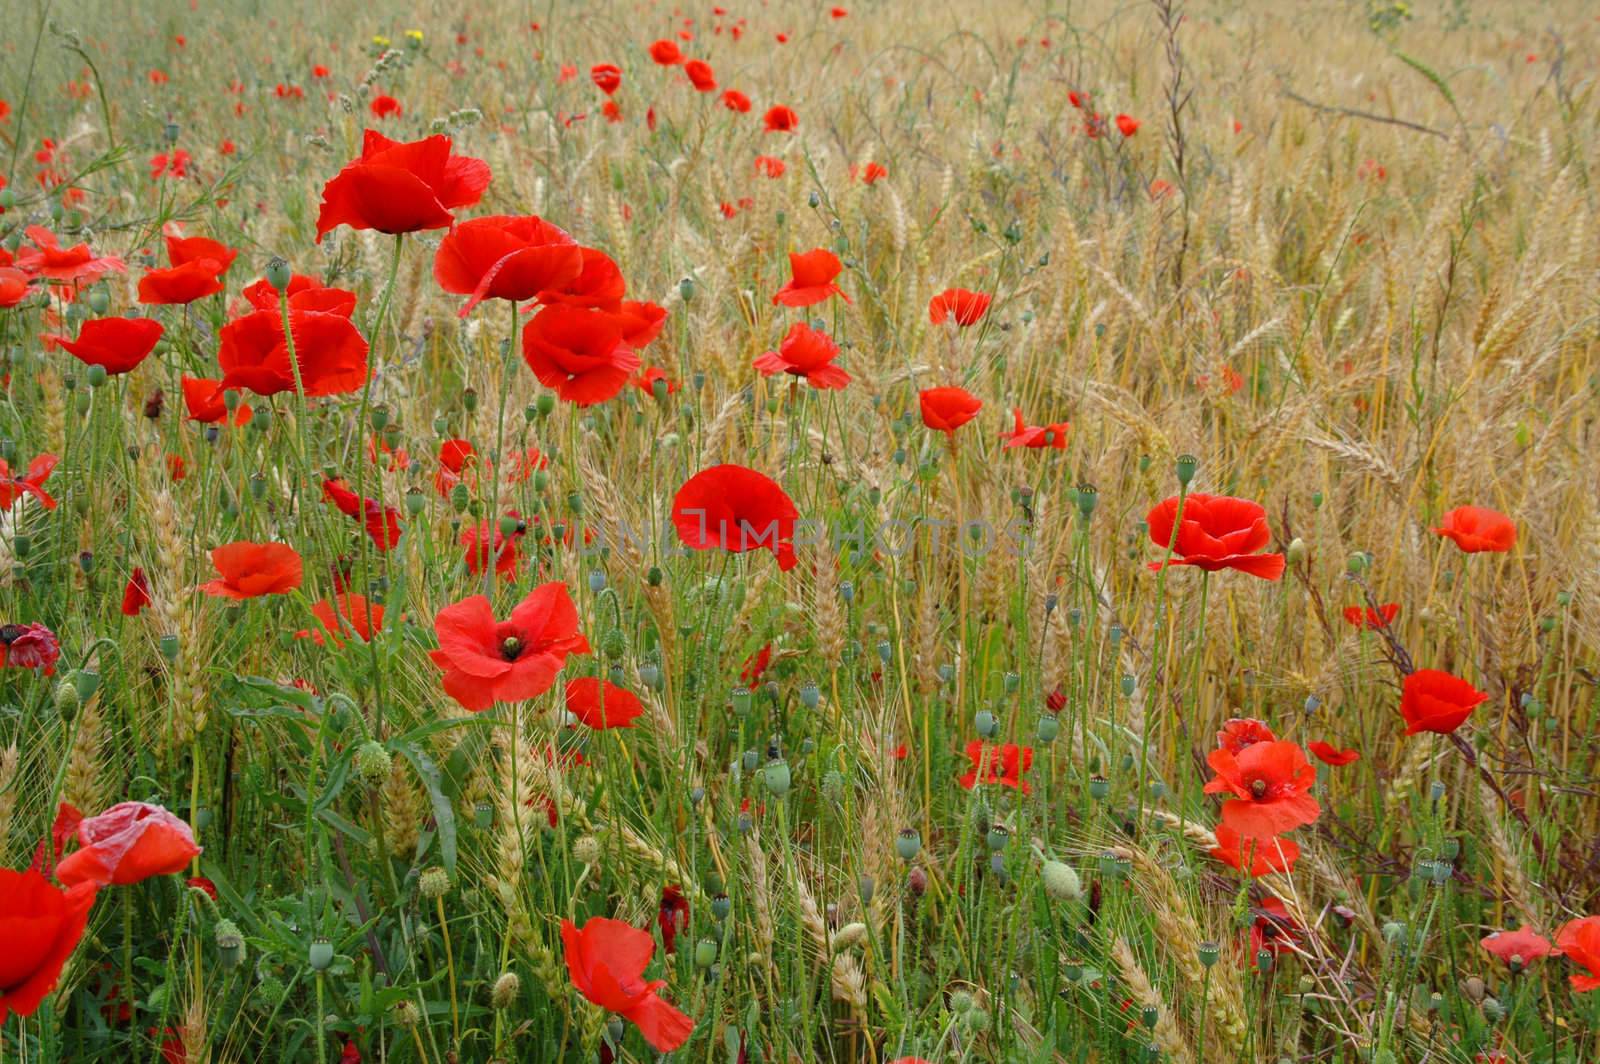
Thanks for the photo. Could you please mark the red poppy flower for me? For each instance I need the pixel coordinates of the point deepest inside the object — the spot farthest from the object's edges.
(207, 404)
(505, 257)
(482, 539)
(1524, 946)
(1240, 732)
(14, 487)
(580, 353)
(1372, 619)
(401, 188)
(736, 509)
(197, 266)
(76, 265)
(599, 284)
(1002, 764)
(117, 345)
(1273, 929)
(673, 915)
(260, 294)
(871, 174)
(1271, 787)
(599, 704)
(1273, 854)
(812, 279)
(607, 76)
(700, 75)
(29, 646)
(1435, 701)
(646, 380)
(805, 352)
(136, 596)
(755, 665)
(780, 119)
(13, 286)
(248, 570)
(666, 53)
(1579, 942)
(330, 350)
(640, 322)
(385, 106)
(382, 522)
(1329, 754)
(1476, 529)
(1218, 532)
(772, 166)
(342, 614)
(606, 960)
(129, 843)
(1127, 125)
(947, 409)
(967, 308)
(487, 661)
(1036, 436)
(734, 100)
(40, 925)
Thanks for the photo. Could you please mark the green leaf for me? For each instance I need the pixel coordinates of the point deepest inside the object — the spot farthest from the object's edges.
(444, 815)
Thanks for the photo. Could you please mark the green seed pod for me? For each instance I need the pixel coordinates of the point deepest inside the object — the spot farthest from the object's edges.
(1186, 466)
(705, 953)
(278, 273)
(230, 943)
(320, 955)
(545, 404)
(1048, 728)
(908, 843)
(977, 1019)
(416, 501)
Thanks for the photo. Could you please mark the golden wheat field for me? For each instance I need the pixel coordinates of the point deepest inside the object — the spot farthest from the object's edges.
(775, 532)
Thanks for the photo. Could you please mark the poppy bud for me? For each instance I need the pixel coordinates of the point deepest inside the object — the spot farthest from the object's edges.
(21, 544)
(505, 992)
(1356, 563)
(686, 289)
(545, 404)
(814, 200)
(1493, 1011)
(230, 943)
(433, 883)
(917, 881)
(1060, 881)
(320, 955)
(99, 299)
(977, 1019)
(8, 198)
(372, 762)
(469, 400)
(66, 700)
(97, 377)
(1296, 554)
(459, 498)
(613, 644)
(946, 671)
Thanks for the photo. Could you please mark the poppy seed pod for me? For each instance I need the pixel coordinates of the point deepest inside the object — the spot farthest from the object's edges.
(320, 955)
(278, 273)
(705, 953)
(908, 843)
(230, 943)
(1185, 467)
(1048, 728)
(720, 906)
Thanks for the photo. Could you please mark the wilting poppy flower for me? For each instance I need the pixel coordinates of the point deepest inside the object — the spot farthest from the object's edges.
(382, 522)
(1218, 532)
(1273, 930)
(700, 75)
(1036, 436)
(1579, 942)
(1329, 754)
(1276, 854)
(780, 119)
(401, 188)
(29, 646)
(136, 596)
(1522, 947)
(342, 614)
(13, 487)
(672, 916)
(607, 961)
(485, 538)
(947, 409)
(599, 704)
(1435, 701)
(967, 308)
(40, 925)
(805, 352)
(666, 53)
(1372, 619)
(1240, 732)
(599, 284)
(197, 266)
(487, 661)
(812, 279)
(129, 843)
(734, 100)
(771, 166)
(76, 265)
(996, 763)
(736, 509)
(505, 257)
(580, 353)
(207, 403)
(1476, 529)
(1127, 125)
(329, 349)
(251, 569)
(116, 345)
(1271, 787)
(869, 174)
(607, 76)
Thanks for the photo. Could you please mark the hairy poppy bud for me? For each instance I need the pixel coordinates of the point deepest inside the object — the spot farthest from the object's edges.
(977, 1019)
(1296, 554)
(1061, 881)
(433, 883)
